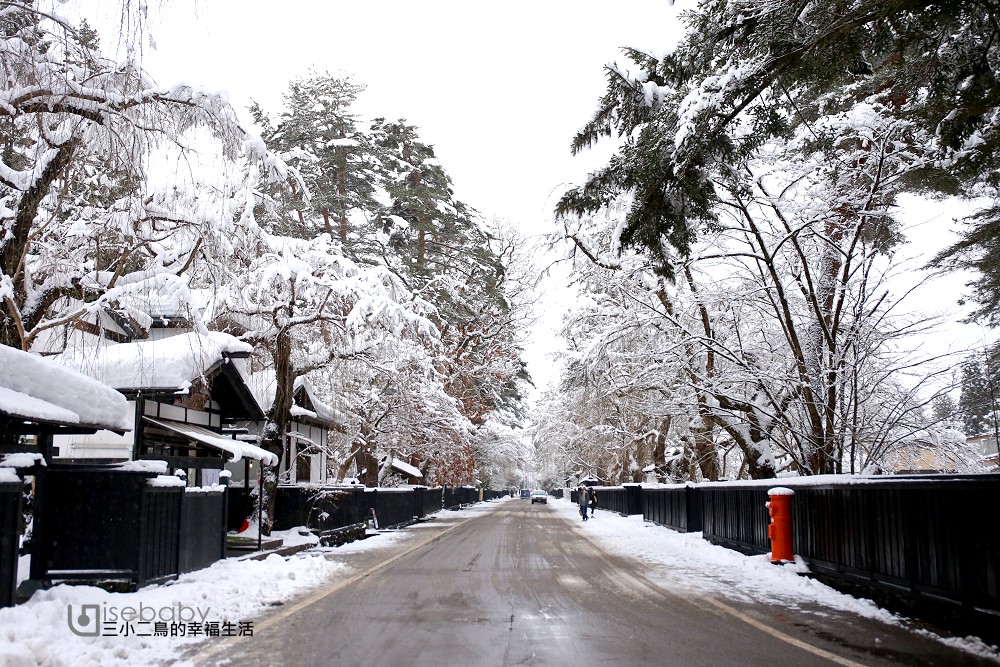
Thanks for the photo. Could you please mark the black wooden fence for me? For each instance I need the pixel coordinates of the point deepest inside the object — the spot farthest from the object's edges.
(921, 536)
(677, 507)
(624, 500)
(100, 523)
(329, 508)
(10, 518)
(320, 508)
(455, 497)
(433, 500)
(159, 533)
(736, 517)
(96, 523)
(202, 528)
(394, 507)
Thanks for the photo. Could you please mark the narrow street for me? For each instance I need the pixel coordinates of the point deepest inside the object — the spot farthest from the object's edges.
(519, 584)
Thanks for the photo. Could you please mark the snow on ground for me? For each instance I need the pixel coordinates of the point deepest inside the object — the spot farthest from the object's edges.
(684, 562)
(38, 632)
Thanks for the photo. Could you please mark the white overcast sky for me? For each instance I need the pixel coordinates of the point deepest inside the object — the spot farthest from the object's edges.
(498, 89)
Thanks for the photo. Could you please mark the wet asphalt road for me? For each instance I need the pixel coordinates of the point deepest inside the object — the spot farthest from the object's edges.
(519, 584)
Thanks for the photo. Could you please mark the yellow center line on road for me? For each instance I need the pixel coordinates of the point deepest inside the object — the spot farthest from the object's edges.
(644, 581)
(778, 634)
(206, 657)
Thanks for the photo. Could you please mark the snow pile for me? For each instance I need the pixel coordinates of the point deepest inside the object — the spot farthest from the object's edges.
(38, 633)
(37, 388)
(167, 363)
(296, 536)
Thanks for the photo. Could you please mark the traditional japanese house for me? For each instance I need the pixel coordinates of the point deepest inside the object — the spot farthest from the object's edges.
(187, 392)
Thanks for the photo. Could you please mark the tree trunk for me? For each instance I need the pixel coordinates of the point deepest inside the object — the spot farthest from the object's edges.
(273, 437)
(14, 247)
(327, 227)
(342, 192)
(659, 453)
(705, 453)
(364, 460)
(345, 466)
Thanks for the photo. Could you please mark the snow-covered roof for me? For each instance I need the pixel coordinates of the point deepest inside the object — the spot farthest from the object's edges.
(163, 303)
(263, 385)
(406, 468)
(322, 411)
(38, 389)
(168, 363)
(236, 449)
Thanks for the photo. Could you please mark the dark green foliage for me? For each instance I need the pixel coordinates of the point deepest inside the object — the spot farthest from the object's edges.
(339, 163)
(980, 391)
(978, 250)
(782, 64)
(943, 409)
(440, 248)
(87, 36)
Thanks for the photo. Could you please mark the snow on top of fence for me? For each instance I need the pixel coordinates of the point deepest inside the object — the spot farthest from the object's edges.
(821, 480)
(22, 460)
(158, 467)
(165, 481)
(210, 488)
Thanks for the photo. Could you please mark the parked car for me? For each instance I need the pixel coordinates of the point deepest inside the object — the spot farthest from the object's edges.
(539, 496)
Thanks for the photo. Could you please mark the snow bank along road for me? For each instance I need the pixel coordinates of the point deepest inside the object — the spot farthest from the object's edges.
(524, 584)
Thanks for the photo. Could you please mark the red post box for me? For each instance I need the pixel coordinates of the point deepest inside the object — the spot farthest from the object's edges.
(780, 528)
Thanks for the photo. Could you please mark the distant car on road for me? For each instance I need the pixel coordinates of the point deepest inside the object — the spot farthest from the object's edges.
(525, 493)
(539, 496)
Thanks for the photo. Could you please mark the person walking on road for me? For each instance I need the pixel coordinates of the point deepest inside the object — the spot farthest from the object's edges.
(583, 497)
(592, 493)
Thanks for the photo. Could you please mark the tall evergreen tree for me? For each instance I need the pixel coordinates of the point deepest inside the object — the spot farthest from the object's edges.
(337, 163)
(444, 252)
(979, 403)
(390, 201)
(974, 404)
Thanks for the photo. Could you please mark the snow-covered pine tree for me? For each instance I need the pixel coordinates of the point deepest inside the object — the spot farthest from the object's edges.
(446, 253)
(305, 307)
(338, 168)
(980, 395)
